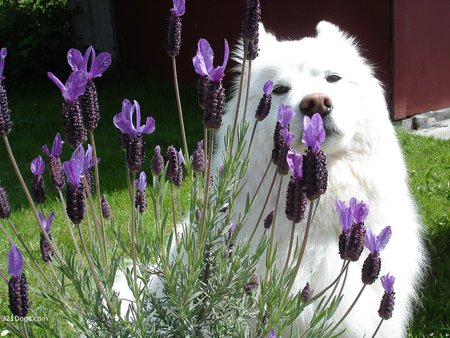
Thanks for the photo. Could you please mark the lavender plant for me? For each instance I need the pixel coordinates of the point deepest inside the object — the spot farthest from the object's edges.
(188, 271)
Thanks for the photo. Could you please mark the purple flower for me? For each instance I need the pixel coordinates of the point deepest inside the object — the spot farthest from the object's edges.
(3, 53)
(56, 148)
(269, 219)
(272, 334)
(37, 166)
(294, 160)
(74, 86)
(203, 61)
(180, 158)
(313, 133)
(377, 243)
(345, 216)
(79, 163)
(287, 136)
(268, 86)
(124, 120)
(231, 230)
(99, 64)
(141, 184)
(361, 210)
(15, 262)
(179, 8)
(388, 283)
(285, 114)
(47, 223)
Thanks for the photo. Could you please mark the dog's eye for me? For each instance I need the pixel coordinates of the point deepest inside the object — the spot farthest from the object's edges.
(331, 78)
(280, 90)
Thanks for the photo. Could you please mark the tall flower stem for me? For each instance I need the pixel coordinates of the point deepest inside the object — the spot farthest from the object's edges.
(247, 93)
(291, 241)
(261, 182)
(54, 273)
(264, 205)
(30, 199)
(274, 222)
(239, 96)
(96, 221)
(133, 228)
(69, 224)
(207, 180)
(335, 282)
(251, 137)
(378, 327)
(97, 186)
(174, 214)
(24, 327)
(180, 111)
(330, 296)
(347, 312)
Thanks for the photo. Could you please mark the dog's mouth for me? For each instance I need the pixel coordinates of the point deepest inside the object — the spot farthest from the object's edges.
(330, 127)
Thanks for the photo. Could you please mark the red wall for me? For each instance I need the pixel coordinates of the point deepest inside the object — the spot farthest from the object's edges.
(421, 67)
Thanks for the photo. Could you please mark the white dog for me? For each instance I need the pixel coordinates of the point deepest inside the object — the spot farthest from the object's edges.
(364, 161)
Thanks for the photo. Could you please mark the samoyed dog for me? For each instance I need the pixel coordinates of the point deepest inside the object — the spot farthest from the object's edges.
(327, 74)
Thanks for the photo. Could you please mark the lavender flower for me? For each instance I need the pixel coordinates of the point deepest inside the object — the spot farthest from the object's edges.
(141, 198)
(74, 130)
(388, 300)
(306, 293)
(5, 208)
(251, 19)
(272, 334)
(46, 250)
(265, 103)
(157, 164)
(38, 186)
(19, 301)
(203, 61)
(277, 143)
(173, 43)
(314, 132)
(56, 147)
(198, 158)
(269, 219)
(295, 196)
(372, 264)
(231, 230)
(288, 138)
(135, 146)
(5, 112)
(178, 179)
(285, 115)
(252, 284)
(106, 209)
(252, 49)
(172, 167)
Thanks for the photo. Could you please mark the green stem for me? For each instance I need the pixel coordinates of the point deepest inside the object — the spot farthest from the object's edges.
(272, 233)
(251, 138)
(378, 327)
(180, 111)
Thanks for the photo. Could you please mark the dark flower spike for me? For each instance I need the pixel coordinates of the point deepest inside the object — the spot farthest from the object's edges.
(314, 132)
(74, 86)
(157, 165)
(179, 8)
(269, 219)
(388, 301)
(178, 179)
(377, 243)
(288, 138)
(5, 208)
(355, 242)
(46, 251)
(265, 103)
(198, 158)
(37, 166)
(3, 53)
(306, 293)
(285, 115)
(56, 148)
(106, 209)
(172, 168)
(99, 64)
(203, 61)
(141, 198)
(15, 262)
(124, 120)
(372, 265)
(251, 19)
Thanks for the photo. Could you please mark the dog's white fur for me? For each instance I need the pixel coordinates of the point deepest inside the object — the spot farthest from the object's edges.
(364, 160)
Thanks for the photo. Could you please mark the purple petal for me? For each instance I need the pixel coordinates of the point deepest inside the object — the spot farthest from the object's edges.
(3, 53)
(285, 114)
(204, 49)
(75, 60)
(371, 241)
(287, 136)
(179, 7)
(88, 161)
(149, 126)
(226, 54)
(268, 86)
(75, 85)
(272, 334)
(180, 157)
(294, 160)
(313, 132)
(57, 146)
(37, 166)
(388, 283)
(346, 219)
(58, 83)
(383, 238)
(199, 65)
(121, 122)
(142, 183)
(99, 65)
(50, 221)
(45, 150)
(72, 170)
(41, 217)
(361, 212)
(319, 131)
(126, 108)
(78, 155)
(340, 206)
(15, 262)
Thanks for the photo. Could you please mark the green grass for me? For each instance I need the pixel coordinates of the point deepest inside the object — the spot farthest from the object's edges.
(36, 109)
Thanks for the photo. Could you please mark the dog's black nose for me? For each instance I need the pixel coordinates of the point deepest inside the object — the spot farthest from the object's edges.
(316, 103)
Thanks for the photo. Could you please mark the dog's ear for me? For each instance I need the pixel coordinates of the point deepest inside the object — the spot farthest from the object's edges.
(329, 30)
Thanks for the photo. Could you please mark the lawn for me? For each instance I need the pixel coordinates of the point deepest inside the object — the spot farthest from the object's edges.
(36, 109)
